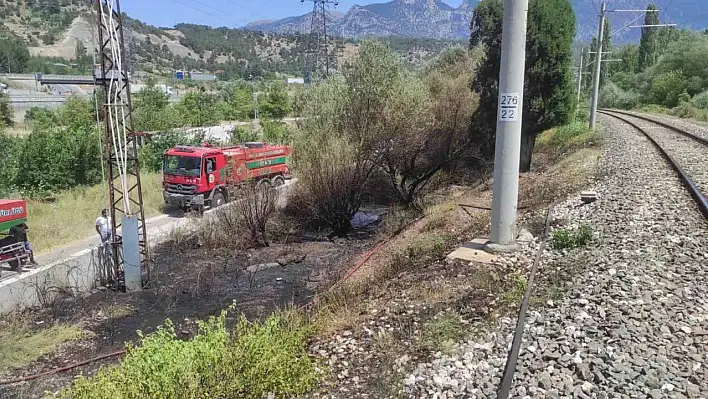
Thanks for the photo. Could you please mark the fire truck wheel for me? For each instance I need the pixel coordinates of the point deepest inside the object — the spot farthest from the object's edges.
(14, 265)
(264, 183)
(278, 181)
(218, 200)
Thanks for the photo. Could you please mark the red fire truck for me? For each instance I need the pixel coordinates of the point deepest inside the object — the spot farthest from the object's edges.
(13, 253)
(195, 177)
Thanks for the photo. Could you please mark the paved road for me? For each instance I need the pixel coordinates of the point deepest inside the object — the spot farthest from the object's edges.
(157, 228)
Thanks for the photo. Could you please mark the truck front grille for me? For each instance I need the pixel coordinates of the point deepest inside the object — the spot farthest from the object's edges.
(187, 189)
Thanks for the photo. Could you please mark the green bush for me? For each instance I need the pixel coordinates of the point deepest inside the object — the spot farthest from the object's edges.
(700, 100)
(242, 134)
(276, 132)
(667, 87)
(612, 96)
(253, 361)
(571, 238)
(565, 138)
(688, 110)
(8, 162)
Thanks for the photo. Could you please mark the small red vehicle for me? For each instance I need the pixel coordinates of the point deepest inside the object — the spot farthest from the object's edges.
(195, 177)
(12, 252)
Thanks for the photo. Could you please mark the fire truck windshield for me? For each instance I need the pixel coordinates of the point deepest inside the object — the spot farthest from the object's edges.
(182, 165)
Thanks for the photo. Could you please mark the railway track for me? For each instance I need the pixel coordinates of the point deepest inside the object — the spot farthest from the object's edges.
(686, 152)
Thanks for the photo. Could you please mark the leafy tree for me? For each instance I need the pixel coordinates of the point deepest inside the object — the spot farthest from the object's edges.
(8, 162)
(63, 149)
(239, 105)
(276, 103)
(83, 59)
(6, 112)
(647, 44)
(689, 57)
(198, 109)
(606, 48)
(667, 87)
(548, 89)
(151, 110)
(14, 55)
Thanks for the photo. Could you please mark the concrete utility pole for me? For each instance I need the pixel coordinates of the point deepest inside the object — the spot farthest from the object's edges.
(508, 140)
(580, 75)
(598, 65)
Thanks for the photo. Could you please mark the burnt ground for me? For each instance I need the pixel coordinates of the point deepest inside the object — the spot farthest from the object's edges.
(404, 306)
(190, 282)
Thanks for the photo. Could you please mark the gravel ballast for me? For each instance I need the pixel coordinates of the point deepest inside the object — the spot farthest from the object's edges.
(634, 320)
(698, 128)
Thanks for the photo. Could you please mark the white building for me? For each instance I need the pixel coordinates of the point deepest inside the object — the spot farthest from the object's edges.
(295, 81)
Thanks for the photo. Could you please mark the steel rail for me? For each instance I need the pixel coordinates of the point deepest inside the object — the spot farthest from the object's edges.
(666, 125)
(685, 178)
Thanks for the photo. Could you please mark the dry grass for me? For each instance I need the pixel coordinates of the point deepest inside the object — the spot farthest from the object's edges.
(20, 345)
(71, 217)
(334, 312)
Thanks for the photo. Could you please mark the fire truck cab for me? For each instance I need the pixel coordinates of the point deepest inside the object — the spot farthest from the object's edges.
(12, 252)
(206, 176)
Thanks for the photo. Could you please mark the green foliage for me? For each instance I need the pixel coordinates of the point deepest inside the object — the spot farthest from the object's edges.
(151, 111)
(648, 42)
(677, 74)
(198, 109)
(253, 361)
(443, 332)
(666, 88)
(701, 100)
(9, 147)
(611, 96)
(242, 134)
(63, 150)
(14, 54)
(571, 238)
(518, 288)
(276, 132)
(6, 112)
(276, 103)
(239, 104)
(548, 89)
(563, 139)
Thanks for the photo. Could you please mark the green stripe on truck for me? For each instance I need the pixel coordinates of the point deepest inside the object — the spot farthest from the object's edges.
(266, 162)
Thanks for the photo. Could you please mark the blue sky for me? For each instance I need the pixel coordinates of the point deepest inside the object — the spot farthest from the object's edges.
(232, 13)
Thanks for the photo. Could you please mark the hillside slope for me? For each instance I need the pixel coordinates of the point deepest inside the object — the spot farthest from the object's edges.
(436, 19)
(55, 32)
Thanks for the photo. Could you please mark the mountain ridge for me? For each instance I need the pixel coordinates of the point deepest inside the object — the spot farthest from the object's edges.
(408, 18)
(437, 19)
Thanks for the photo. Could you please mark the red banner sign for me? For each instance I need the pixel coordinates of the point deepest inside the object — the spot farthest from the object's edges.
(12, 210)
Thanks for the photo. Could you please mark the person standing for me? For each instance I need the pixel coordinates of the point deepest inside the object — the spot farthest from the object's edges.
(20, 234)
(103, 227)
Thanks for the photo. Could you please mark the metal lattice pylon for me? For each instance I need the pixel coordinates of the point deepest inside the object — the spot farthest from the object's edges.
(318, 59)
(121, 144)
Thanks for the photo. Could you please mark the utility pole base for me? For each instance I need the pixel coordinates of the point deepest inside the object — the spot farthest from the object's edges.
(501, 249)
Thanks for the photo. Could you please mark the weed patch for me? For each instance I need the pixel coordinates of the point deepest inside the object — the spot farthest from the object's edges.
(21, 345)
(571, 238)
(518, 288)
(252, 361)
(564, 139)
(441, 333)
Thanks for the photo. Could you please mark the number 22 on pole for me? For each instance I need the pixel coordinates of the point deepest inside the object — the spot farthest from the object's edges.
(509, 107)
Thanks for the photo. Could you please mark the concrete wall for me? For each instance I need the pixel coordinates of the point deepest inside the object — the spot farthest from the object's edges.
(40, 287)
